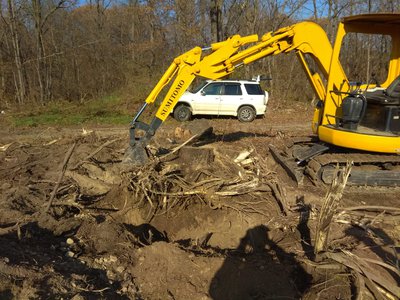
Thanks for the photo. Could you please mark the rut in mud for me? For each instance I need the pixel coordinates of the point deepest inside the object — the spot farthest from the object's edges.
(216, 218)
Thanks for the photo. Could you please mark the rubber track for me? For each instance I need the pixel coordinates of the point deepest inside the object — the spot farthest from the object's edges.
(357, 158)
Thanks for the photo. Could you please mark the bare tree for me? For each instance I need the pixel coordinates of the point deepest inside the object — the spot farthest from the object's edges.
(19, 79)
(216, 20)
(40, 19)
(51, 49)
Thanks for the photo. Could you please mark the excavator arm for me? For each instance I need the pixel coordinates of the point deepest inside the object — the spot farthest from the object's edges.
(304, 38)
(183, 70)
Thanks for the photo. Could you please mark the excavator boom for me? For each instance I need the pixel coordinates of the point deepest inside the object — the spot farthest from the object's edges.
(183, 70)
(225, 58)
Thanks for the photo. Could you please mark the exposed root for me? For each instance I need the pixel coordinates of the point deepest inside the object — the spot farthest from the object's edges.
(162, 190)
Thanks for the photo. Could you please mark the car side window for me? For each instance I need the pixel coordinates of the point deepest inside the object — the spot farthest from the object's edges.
(232, 89)
(254, 89)
(213, 89)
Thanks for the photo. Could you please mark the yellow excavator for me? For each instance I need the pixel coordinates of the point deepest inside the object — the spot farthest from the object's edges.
(351, 123)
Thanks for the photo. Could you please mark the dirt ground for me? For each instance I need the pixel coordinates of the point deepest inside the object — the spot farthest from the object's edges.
(193, 224)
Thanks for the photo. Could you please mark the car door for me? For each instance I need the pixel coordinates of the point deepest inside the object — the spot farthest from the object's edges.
(207, 101)
(231, 97)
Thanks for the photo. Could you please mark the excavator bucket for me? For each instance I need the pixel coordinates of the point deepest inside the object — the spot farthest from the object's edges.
(136, 154)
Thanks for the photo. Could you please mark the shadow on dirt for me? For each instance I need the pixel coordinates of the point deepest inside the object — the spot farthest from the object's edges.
(35, 257)
(304, 230)
(259, 269)
(6, 295)
(236, 136)
(221, 117)
(229, 137)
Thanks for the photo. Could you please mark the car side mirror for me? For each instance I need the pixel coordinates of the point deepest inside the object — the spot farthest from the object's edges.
(203, 93)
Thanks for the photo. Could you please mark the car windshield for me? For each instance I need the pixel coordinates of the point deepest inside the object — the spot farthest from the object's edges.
(197, 88)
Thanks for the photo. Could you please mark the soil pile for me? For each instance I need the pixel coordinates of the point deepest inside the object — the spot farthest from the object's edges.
(214, 218)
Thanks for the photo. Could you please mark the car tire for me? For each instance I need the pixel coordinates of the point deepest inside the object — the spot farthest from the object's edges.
(182, 113)
(246, 113)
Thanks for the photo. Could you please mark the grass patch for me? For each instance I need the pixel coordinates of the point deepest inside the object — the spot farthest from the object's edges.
(106, 111)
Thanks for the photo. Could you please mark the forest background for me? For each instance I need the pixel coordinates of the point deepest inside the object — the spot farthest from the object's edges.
(96, 61)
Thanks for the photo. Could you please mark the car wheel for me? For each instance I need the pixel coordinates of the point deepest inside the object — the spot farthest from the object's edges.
(246, 114)
(182, 113)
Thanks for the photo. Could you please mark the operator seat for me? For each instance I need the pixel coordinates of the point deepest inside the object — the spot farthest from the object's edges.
(390, 96)
(383, 109)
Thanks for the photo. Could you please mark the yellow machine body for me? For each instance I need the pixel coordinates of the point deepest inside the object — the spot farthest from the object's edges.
(330, 84)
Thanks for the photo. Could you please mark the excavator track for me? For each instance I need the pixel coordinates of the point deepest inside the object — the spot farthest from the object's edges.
(368, 169)
(304, 157)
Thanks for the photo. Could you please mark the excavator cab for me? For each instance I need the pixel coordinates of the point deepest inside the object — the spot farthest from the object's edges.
(383, 113)
(367, 118)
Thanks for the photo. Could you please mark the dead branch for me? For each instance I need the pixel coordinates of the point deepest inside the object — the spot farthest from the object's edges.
(373, 208)
(60, 177)
(25, 220)
(347, 217)
(321, 265)
(178, 147)
(382, 264)
(359, 265)
(279, 196)
(70, 201)
(94, 153)
(374, 289)
(5, 147)
(91, 290)
(360, 286)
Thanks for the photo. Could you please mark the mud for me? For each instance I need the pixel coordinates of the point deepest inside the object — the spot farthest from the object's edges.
(102, 239)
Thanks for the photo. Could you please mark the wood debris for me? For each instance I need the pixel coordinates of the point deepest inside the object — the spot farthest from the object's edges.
(331, 202)
(5, 147)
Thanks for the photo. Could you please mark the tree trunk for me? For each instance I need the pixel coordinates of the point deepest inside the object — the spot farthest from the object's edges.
(40, 65)
(20, 84)
(368, 48)
(216, 20)
(315, 10)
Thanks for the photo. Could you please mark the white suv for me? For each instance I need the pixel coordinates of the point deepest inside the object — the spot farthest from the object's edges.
(242, 98)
